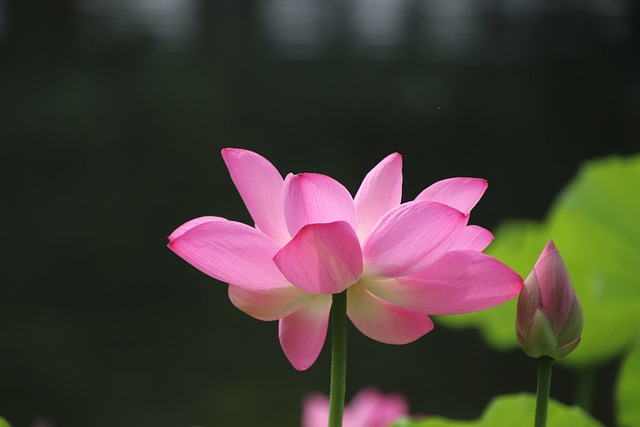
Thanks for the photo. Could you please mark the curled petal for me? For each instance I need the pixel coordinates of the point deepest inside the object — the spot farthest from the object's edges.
(231, 252)
(541, 339)
(314, 198)
(302, 333)
(410, 237)
(460, 193)
(459, 282)
(382, 321)
(268, 304)
(260, 186)
(322, 258)
(381, 190)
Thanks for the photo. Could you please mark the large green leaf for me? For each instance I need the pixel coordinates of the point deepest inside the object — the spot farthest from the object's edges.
(595, 223)
(628, 390)
(4, 423)
(513, 410)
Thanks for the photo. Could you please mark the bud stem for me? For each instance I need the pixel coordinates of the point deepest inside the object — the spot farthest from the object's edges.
(545, 365)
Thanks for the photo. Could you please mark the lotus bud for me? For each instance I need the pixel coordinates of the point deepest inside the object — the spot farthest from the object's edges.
(549, 319)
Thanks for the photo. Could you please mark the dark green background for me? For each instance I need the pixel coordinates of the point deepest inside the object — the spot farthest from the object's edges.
(110, 139)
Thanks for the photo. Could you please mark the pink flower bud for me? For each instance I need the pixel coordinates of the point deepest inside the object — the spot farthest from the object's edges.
(549, 319)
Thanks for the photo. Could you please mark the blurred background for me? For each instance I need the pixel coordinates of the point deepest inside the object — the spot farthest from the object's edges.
(112, 117)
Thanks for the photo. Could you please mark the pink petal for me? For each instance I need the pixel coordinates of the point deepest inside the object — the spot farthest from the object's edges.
(370, 408)
(190, 224)
(230, 252)
(303, 332)
(472, 238)
(260, 186)
(549, 248)
(322, 258)
(268, 304)
(460, 193)
(380, 191)
(315, 411)
(314, 198)
(382, 321)
(459, 282)
(410, 237)
(556, 290)
(529, 303)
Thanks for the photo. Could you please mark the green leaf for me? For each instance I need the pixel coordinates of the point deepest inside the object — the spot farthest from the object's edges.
(595, 223)
(513, 410)
(4, 423)
(628, 390)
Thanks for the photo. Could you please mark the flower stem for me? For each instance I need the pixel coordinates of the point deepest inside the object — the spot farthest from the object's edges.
(338, 359)
(545, 364)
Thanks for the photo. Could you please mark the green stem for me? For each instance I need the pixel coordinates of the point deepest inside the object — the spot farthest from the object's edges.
(545, 364)
(338, 359)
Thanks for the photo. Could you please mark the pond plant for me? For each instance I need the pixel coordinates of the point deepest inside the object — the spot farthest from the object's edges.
(317, 257)
(316, 254)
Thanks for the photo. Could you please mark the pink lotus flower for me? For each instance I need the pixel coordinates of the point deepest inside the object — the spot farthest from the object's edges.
(368, 408)
(400, 262)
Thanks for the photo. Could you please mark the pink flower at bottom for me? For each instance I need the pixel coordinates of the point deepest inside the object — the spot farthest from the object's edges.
(398, 262)
(368, 408)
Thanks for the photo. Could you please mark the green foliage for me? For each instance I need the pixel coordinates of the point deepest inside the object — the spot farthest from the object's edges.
(595, 225)
(628, 392)
(4, 423)
(513, 410)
